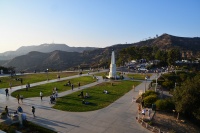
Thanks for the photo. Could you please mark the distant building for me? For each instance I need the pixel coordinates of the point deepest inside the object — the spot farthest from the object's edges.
(187, 54)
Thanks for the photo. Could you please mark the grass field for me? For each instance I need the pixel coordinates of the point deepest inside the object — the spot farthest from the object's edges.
(47, 89)
(97, 99)
(138, 76)
(32, 78)
(28, 127)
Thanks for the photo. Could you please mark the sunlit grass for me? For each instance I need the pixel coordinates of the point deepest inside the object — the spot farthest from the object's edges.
(138, 76)
(97, 98)
(32, 78)
(47, 89)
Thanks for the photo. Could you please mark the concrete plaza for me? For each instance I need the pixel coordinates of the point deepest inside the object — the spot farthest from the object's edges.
(118, 117)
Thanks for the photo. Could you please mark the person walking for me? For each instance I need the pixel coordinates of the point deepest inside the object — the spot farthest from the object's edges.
(21, 80)
(7, 92)
(72, 87)
(33, 111)
(41, 95)
(79, 84)
(21, 97)
(10, 84)
(18, 97)
(27, 86)
(6, 110)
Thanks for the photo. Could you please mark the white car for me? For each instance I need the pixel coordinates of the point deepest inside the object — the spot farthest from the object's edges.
(142, 69)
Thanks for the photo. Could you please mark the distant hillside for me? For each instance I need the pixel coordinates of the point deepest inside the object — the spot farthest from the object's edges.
(62, 60)
(45, 48)
(167, 41)
(58, 60)
(184, 43)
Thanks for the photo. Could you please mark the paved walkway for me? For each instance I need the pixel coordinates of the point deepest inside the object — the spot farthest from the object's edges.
(119, 117)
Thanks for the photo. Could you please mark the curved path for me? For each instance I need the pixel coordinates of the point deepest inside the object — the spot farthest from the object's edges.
(118, 117)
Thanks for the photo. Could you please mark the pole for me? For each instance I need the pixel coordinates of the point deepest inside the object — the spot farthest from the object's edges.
(156, 83)
(47, 75)
(145, 83)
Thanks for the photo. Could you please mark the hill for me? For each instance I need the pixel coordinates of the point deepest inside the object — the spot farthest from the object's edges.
(62, 60)
(167, 41)
(44, 48)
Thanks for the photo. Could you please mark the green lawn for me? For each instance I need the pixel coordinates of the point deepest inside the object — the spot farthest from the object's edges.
(102, 74)
(97, 98)
(138, 76)
(33, 78)
(28, 127)
(47, 89)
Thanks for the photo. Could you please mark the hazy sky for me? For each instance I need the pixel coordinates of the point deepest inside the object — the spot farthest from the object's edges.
(95, 23)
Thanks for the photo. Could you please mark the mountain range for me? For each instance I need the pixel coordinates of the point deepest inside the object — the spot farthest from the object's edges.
(60, 59)
(45, 48)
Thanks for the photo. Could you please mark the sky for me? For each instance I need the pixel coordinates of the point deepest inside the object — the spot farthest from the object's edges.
(94, 23)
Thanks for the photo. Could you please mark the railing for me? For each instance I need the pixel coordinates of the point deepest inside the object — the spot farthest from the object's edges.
(149, 127)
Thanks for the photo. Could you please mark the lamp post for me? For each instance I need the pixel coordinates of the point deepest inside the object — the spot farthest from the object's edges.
(156, 82)
(145, 83)
(47, 74)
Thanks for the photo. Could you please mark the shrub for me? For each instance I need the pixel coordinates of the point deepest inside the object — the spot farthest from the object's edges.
(165, 104)
(168, 84)
(149, 100)
(3, 113)
(161, 104)
(7, 128)
(148, 93)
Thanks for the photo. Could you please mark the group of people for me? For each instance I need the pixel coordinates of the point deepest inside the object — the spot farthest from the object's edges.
(82, 95)
(68, 83)
(54, 95)
(18, 111)
(72, 85)
(143, 111)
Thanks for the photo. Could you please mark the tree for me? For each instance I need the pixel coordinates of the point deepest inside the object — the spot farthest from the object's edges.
(173, 55)
(162, 56)
(186, 97)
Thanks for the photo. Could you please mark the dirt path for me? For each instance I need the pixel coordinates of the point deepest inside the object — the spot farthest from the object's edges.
(168, 123)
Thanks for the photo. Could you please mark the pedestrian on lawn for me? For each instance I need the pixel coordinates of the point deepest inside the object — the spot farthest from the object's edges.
(79, 84)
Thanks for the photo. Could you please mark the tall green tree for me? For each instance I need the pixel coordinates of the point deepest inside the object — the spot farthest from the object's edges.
(173, 55)
(162, 56)
(187, 97)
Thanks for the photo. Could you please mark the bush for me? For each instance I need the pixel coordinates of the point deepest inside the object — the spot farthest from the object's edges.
(148, 93)
(165, 104)
(168, 84)
(7, 128)
(3, 113)
(149, 100)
